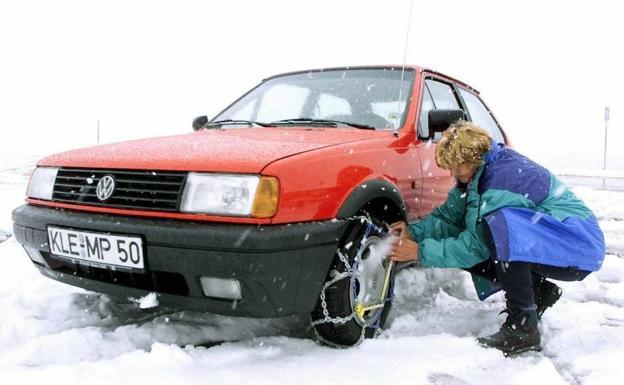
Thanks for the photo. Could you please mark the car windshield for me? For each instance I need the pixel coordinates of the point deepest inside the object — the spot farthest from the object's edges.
(367, 97)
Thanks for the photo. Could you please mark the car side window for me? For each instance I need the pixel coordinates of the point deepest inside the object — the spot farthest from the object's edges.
(443, 96)
(425, 106)
(436, 95)
(480, 115)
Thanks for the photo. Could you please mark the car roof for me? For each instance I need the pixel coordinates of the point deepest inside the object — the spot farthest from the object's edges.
(390, 67)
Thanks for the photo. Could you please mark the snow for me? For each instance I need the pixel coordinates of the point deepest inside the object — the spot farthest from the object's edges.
(609, 173)
(4, 235)
(51, 332)
(146, 302)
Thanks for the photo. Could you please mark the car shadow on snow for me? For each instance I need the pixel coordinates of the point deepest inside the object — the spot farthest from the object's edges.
(426, 302)
(171, 326)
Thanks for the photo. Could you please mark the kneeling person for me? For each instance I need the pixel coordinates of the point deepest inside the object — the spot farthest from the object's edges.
(509, 222)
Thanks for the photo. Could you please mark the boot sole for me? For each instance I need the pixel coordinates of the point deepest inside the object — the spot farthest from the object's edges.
(523, 350)
(512, 353)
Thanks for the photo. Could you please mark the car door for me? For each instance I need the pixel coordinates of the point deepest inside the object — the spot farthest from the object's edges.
(436, 94)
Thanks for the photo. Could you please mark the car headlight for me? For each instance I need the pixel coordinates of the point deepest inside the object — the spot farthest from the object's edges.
(229, 194)
(41, 184)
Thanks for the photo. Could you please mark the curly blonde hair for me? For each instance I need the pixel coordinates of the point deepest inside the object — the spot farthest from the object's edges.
(462, 142)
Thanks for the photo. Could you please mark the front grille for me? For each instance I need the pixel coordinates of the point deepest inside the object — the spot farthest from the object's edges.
(151, 190)
(150, 280)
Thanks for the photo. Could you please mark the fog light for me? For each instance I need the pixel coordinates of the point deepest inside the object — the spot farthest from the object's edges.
(35, 255)
(221, 287)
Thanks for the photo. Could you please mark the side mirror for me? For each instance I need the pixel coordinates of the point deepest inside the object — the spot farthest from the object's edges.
(199, 122)
(440, 120)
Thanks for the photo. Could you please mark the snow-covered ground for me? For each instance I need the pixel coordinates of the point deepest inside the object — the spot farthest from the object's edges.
(50, 332)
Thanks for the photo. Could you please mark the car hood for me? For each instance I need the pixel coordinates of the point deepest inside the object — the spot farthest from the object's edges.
(219, 150)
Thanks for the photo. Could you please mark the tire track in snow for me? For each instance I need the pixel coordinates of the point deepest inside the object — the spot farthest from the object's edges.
(564, 372)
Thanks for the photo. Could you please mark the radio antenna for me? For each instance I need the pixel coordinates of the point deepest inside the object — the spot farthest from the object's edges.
(407, 34)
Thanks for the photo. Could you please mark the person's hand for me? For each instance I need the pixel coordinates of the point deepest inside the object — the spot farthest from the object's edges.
(403, 248)
(398, 228)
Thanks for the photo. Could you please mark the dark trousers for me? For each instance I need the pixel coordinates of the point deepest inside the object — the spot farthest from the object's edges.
(520, 278)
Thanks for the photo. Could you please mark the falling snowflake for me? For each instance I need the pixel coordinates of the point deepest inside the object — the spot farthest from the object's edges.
(536, 217)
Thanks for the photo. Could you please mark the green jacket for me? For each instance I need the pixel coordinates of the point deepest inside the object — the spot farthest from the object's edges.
(530, 214)
(451, 236)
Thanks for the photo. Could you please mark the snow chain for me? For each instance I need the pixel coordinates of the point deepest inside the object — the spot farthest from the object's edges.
(358, 310)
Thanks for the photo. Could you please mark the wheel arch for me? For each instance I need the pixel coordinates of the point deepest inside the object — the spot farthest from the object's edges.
(379, 197)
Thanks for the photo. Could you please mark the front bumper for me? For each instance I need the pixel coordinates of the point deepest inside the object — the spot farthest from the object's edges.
(281, 268)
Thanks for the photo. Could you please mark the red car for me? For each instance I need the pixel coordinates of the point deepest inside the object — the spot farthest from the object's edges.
(277, 206)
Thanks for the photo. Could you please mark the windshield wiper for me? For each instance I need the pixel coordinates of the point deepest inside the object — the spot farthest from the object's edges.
(322, 122)
(236, 121)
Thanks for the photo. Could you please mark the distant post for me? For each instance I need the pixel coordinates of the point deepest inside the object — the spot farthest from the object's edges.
(604, 158)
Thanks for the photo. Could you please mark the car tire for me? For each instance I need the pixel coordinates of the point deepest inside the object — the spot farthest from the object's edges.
(357, 271)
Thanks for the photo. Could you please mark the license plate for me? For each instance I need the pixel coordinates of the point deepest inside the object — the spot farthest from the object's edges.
(96, 249)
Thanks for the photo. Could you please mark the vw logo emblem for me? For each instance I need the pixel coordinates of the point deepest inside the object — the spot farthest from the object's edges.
(105, 187)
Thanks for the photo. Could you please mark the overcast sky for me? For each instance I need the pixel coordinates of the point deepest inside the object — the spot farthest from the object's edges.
(147, 68)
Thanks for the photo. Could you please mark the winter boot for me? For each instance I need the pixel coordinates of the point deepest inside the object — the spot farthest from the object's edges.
(518, 334)
(545, 294)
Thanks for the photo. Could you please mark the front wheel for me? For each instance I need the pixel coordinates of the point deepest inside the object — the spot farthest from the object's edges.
(357, 295)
